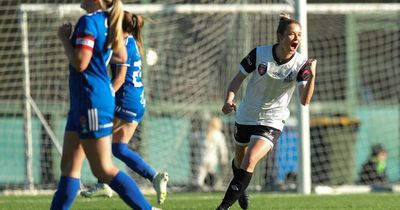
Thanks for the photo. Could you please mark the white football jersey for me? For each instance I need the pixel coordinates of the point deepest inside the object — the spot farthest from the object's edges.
(270, 87)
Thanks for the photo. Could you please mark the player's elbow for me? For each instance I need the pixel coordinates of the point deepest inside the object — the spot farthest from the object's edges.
(81, 68)
(120, 57)
(305, 101)
(78, 64)
(124, 57)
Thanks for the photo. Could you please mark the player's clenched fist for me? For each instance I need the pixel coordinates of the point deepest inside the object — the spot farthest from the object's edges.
(228, 107)
(311, 64)
(65, 30)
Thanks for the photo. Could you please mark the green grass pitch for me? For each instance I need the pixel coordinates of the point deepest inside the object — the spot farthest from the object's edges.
(209, 201)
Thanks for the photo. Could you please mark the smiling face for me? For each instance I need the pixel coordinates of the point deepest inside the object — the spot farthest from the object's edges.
(290, 40)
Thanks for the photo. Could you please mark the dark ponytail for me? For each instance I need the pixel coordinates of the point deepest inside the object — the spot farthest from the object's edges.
(133, 24)
(137, 32)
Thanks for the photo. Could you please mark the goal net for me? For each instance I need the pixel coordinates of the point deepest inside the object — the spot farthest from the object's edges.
(192, 52)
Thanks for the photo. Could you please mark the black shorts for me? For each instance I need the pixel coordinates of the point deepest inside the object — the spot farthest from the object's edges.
(243, 133)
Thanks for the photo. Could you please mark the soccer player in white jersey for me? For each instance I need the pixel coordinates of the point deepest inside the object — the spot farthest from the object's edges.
(129, 111)
(90, 118)
(275, 72)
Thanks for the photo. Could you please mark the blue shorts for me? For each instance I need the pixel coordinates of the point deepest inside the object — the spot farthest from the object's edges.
(130, 104)
(91, 123)
(129, 114)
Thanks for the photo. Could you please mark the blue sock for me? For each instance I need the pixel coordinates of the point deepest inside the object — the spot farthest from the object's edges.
(128, 190)
(133, 161)
(66, 192)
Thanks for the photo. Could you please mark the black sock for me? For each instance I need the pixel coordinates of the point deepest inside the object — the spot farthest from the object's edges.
(234, 169)
(237, 186)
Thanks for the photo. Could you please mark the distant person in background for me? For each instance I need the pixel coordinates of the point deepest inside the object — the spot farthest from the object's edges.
(373, 171)
(129, 111)
(213, 152)
(196, 139)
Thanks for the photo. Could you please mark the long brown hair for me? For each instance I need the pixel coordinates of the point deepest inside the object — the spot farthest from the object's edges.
(133, 24)
(115, 37)
(284, 22)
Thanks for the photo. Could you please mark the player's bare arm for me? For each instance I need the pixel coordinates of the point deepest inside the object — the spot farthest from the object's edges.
(308, 90)
(234, 86)
(119, 56)
(120, 77)
(80, 57)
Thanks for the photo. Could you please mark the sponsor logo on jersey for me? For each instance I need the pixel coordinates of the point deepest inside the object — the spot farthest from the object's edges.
(262, 68)
(288, 78)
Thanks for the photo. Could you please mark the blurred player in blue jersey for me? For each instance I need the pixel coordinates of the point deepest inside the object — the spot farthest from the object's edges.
(90, 118)
(129, 110)
(275, 72)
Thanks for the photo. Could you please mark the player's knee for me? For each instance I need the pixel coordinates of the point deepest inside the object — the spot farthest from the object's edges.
(105, 174)
(119, 150)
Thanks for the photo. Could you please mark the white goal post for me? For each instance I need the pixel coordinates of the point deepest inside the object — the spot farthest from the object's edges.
(62, 9)
(229, 8)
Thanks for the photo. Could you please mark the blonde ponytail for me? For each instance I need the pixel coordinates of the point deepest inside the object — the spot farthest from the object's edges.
(137, 32)
(116, 15)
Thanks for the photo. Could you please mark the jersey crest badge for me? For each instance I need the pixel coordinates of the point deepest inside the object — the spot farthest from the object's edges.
(262, 68)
